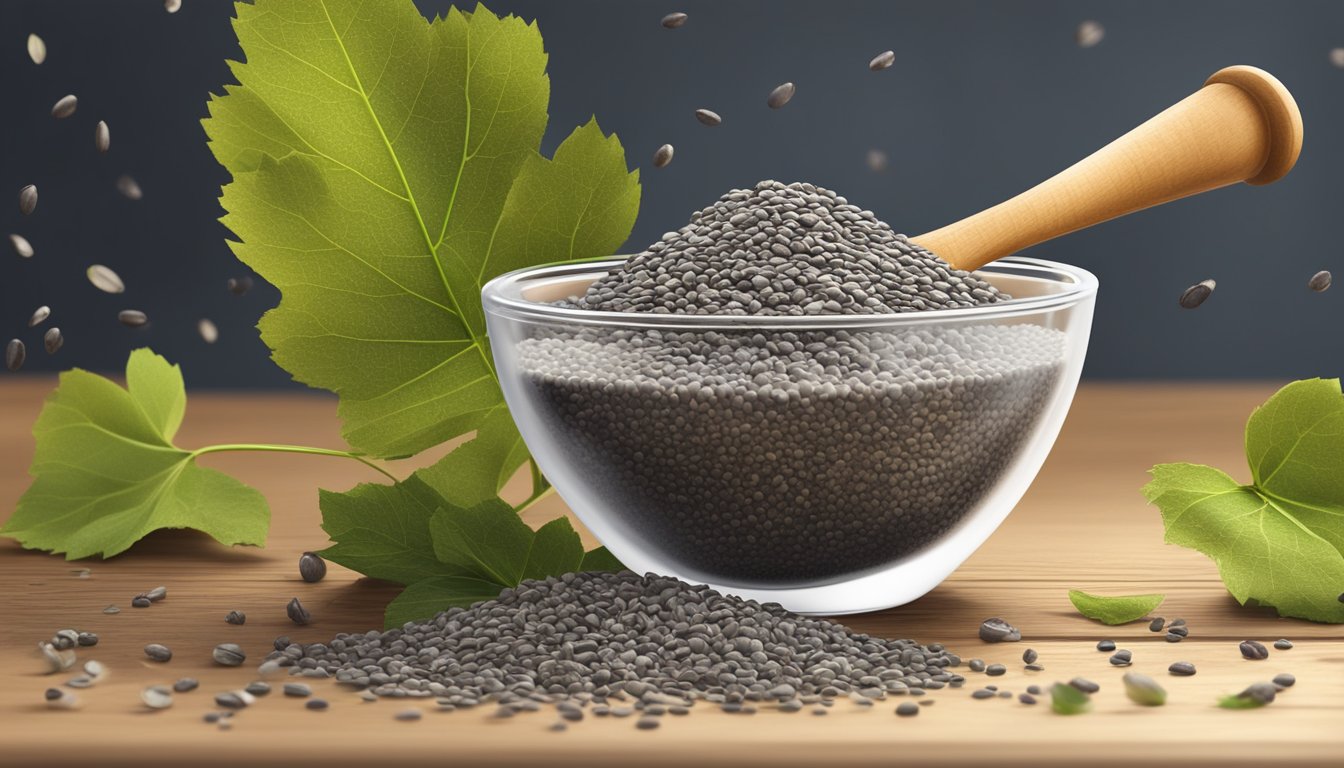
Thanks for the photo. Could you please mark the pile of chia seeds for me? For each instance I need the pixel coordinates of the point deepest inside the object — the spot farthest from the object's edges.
(655, 640)
(763, 457)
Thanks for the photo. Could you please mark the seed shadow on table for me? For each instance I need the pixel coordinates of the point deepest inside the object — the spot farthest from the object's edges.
(934, 610)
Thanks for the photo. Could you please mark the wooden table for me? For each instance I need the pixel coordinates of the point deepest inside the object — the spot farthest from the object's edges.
(1084, 524)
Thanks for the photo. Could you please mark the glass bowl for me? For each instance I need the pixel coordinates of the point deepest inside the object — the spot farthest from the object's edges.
(830, 463)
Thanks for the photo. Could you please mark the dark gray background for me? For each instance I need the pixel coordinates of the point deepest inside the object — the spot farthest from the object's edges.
(985, 99)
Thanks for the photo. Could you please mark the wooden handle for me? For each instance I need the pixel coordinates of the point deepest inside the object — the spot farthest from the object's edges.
(1243, 125)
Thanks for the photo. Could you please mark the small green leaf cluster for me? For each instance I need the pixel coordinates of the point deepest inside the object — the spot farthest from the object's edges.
(1114, 610)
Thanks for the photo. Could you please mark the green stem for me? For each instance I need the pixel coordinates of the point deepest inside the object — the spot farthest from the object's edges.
(292, 449)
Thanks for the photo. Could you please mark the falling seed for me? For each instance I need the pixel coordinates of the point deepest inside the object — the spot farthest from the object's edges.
(58, 699)
(997, 630)
(1283, 644)
(172, 6)
(102, 137)
(157, 652)
(297, 613)
(28, 199)
(877, 160)
(1197, 293)
(780, 96)
(239, 285)
(663, 156)
(1254, 651)
(1089, 33)
(38, 317)
(186, 685)
(37, 49)
(882, 61)
(104, 279)
(129, 189)
(708, 117)
(1144, 690)
(65, 107)
(15, 354)
(57, 660)
(1336, 57)
(53, 340)
(236, 617)
(21, 245)
(674, 20)
(312, 568)
(229, 655)
(209, 333)
(132, 318)
(1319, 281)
(157, 697)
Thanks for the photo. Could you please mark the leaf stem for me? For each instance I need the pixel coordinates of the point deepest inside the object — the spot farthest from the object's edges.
(229, 447)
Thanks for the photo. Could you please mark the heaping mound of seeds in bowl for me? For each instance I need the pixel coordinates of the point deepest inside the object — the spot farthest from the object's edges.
(617, 638)
(765, 456)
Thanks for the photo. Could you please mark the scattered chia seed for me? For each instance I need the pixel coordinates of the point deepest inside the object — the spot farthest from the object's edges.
(1174, 637)
(1030, 656)
(999, 631)
(15, 354)
(39, 317)
(411, 715)
(104, 279)
(995, 670)
(1182, 669)
(53, 340)
(86, 640)
(281, 643)
(102, 137)
(229, 655)
(1319, 281)
(1084, 685)
(239, 285)
(132, 318)
(258, 688)
(1197, 293)
(28, 199)
(1106, 646)
(37, 49)
(1284, 680)
(312, 568)
(708, 117)
(1178, 629)
(1122, 658)
(1157, 624)
(1026, 698)
(663, 156)
(297, 690)
(1089, 34)
(235, 617)
(297, 613)
(1283, 644)
(65, 107)
(1034, 668)
(129, 188)
(80, 681)
(157, 652)
(976, 665)
(317, 704)
(647, 723)
(156, 594)
(208, 330)
(22, 247)
(882, 61)
(140, 601)
(673, 20)
(1034, 690)
(157, 697)
(186, 685)
(983, 693)
(1253, 650)
(780, 96)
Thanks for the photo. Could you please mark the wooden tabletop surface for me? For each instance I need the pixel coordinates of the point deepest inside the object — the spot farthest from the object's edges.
(1084, 524)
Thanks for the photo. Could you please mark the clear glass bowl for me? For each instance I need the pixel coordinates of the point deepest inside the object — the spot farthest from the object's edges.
(832, 464)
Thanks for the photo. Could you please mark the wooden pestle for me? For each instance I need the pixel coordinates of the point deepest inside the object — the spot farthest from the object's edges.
(1243, 125)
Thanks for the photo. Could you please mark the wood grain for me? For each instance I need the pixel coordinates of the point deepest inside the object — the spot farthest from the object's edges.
(1083, 525)
(1243, 125)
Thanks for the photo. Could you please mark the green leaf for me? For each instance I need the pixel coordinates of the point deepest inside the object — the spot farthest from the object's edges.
(490, 541)
(384, 167)
(437, 593)
(600, 560)
(556, 549)
(106, 472)
(382, 531)
(1114, 610)
(1280, 540)
(1239, 702)
(1067, 700)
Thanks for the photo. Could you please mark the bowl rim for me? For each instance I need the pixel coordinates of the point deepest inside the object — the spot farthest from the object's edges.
(502, 296)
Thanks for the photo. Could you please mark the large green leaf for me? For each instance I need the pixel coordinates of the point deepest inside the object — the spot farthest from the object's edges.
(438, 593)
(384, 168)
(106, 471)
(1280, 540)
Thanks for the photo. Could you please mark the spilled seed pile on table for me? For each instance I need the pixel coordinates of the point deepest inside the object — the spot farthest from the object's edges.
(709, 441)
(652, 639)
